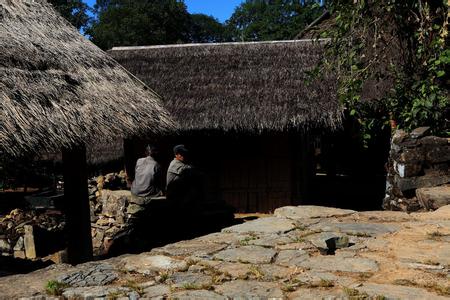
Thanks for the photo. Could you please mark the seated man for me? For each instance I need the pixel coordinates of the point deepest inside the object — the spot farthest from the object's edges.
(148, 176)
(178, 177)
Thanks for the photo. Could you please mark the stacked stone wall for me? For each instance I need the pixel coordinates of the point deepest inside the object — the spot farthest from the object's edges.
(418, 171)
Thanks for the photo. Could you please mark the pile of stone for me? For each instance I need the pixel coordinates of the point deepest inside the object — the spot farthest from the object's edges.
(18, 229)
(419, 171)
(113, 211)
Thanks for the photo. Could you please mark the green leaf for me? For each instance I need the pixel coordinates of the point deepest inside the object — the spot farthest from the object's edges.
(440, 73)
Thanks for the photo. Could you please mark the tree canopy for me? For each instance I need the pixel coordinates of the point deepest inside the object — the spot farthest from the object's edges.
(207, 29)
(258, 20)
(75, 11)
(134, 22)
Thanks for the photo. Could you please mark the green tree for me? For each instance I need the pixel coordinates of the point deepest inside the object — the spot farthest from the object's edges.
(75, 11)
(399, 46)
(256, 20)
(138, 22)
(207, 29)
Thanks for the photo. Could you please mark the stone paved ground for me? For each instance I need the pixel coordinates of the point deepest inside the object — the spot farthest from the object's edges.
(369, 255)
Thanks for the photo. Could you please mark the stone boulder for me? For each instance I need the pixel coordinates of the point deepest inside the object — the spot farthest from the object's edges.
(434, 197)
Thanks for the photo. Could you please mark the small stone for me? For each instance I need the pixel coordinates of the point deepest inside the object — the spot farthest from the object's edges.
(93, 292)
(398, 292)
(419, 132)
(194, 280)
(157, 291)
(134, 209)
(91, 275)
(190, 248)
(5, 246)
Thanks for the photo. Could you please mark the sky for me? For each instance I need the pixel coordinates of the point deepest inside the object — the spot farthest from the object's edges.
(220, 9)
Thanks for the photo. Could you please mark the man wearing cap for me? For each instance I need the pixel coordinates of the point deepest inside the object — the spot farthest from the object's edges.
(177, 181)
(148, 177)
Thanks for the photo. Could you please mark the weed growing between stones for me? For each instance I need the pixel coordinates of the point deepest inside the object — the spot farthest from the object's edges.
(162, 277)
(354, 294)
(246, 240)
(255, 272)
(115, 295)
(132, 285)
(55, 288)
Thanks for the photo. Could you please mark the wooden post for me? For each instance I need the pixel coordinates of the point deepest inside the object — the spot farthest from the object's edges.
(77, 209)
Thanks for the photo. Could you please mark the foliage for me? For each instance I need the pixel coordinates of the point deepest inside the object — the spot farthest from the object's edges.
(207, 29)
(392, 60)
(134, 22)
(257, 20)
(75, 11)
(55, 288)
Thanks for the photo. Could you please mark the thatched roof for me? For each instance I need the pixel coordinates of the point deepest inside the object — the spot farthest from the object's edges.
(237, 86)
(58, 89)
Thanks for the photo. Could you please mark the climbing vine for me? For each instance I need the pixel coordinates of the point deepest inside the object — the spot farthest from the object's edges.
(391, 59)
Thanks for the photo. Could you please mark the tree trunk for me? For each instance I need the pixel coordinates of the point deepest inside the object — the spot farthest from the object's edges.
(77, 209)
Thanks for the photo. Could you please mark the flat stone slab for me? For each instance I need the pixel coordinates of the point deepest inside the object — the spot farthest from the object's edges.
(247, 254)
(398, 292)
(155, 291)
(314, 294)
(96, 275)
(95, 292)
(149, 264)
(340, 263)
(270, 240)
(319, 239)
(200, 294)
(263, 225)
(358, 229)
(228, 238)
(190, 280)
(291, 257)
(242, 289)
(190, 248)
(311, 211)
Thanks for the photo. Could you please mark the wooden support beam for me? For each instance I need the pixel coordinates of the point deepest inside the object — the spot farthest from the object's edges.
(77, 210)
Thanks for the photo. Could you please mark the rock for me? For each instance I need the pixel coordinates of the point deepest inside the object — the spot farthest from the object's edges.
(28, 240)
(435, 197)
(241, 289)
(190, 248)
(419, 132)
(19, 254)
(155, 291)
(201, 294)
(235, 270)
(319, 239)
(191, 280)
(412, 155)
(94, 292)
(314, 294)
(340, 263)
(438, 154)
(311, 211)
(407, 184)
(398, 292)
(91, 275)
(399, 136)
(227, 238)
(114, 203)
(247, 254)
(149, 264)
(133, 209)
(263, 225)
(291, 257)
(430, 141)
(270, 240)
(357, 229)
(408, 169)
(273, 272)
(5, 246)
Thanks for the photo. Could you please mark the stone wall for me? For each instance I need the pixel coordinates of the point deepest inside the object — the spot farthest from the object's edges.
(418, 171)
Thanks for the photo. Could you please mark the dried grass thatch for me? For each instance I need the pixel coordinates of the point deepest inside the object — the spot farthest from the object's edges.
(58, 89)
(249, 87)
